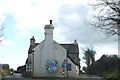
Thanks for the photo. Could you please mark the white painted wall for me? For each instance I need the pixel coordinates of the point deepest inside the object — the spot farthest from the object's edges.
(44, 52)
(60, 55)
(36, 60)
(73, 71)
(77, 71)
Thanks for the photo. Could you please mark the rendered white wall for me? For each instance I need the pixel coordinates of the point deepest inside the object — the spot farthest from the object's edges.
(77, 71)
(60, 55)
(72, 73)
(42, 53)
(36, 61)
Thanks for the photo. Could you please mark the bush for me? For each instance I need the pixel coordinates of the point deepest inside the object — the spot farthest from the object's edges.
(112, 73)
(5, 72)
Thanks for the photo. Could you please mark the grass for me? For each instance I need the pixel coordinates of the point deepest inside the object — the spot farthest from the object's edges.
(111, 73)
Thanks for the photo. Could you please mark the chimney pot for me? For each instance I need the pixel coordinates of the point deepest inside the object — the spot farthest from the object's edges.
(75, 42)
(32, 41)
(50, 21)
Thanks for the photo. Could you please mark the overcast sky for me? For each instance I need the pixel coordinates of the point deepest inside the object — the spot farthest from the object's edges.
(26, 18)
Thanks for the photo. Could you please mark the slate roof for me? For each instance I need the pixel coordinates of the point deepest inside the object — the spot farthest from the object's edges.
(71, 48)
(26, 61)
(72, 52)
(31, 47)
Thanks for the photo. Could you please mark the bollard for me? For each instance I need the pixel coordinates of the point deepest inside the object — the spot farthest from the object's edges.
(63, 73)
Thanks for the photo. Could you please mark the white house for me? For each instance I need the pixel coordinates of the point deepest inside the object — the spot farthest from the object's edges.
(51, 59)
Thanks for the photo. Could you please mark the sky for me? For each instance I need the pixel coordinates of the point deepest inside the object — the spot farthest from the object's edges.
(23, 19)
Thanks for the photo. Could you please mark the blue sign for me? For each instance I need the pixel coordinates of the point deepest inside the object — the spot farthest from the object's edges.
(64, 65)
(52, 69)
(52, 65)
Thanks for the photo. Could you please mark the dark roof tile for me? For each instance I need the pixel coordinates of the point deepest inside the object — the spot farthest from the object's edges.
(74, 58)
(71, 48)
(72, 52)
(31, 47)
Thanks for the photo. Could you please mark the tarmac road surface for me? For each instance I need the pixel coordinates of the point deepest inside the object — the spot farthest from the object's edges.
(81, 77)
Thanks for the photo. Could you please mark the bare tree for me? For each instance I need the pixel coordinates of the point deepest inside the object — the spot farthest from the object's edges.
(108, 18)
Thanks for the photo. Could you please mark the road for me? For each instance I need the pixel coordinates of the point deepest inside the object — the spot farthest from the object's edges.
(90, 77)
(81, 77)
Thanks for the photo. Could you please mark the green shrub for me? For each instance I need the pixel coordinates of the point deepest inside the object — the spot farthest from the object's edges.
(111, 73)
(5, 72)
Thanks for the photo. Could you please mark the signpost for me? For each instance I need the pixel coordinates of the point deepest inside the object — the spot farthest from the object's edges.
(64, 65)
(52, 69)
(52, 66)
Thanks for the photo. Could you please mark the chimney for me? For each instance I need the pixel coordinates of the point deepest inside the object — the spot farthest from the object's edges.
(49, 31)
(32, 41)
(50, 21)
(75, 42)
